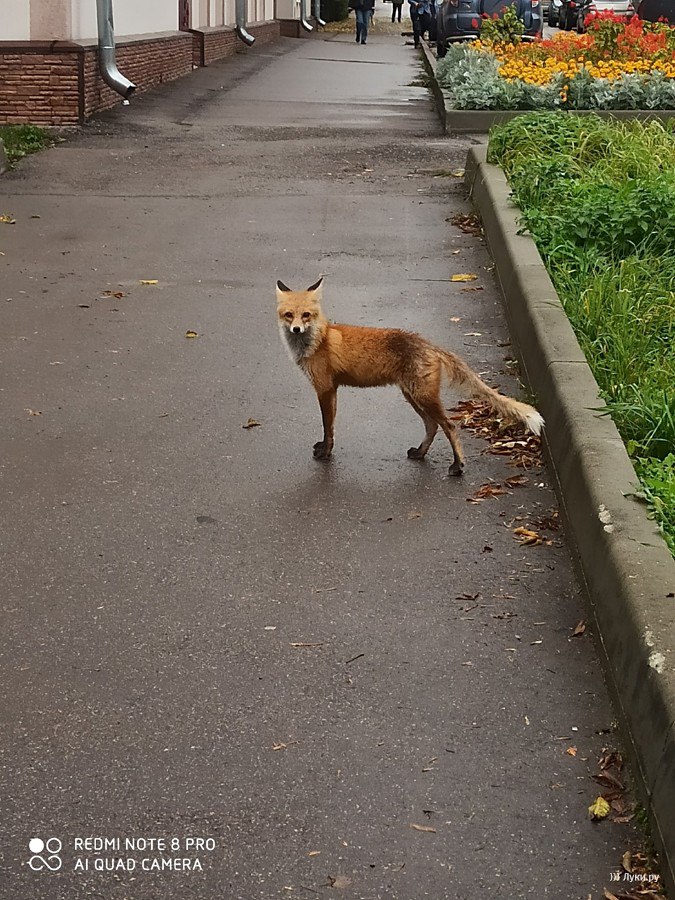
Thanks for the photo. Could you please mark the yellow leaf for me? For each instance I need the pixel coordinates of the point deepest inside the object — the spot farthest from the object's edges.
(191, 334)
(149, 281)
(571, 751)
(9, 220)
(464, 277)
(599, 809)
(252, 423)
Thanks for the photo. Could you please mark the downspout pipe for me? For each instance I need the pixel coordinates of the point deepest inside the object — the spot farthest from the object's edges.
(106, 51)
(317, 13)
(240, 17)
(303, 16)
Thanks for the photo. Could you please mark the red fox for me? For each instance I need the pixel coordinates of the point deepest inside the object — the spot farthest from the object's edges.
(334, 355)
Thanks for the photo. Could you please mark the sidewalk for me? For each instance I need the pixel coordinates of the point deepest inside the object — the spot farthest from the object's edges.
(350, 679)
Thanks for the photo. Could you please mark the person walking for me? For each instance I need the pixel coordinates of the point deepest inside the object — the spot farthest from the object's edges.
(396, 7)
(420, 14)
(363, 10)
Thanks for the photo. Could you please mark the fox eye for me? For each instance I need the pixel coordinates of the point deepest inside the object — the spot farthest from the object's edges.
(288, 315)
(306, 315)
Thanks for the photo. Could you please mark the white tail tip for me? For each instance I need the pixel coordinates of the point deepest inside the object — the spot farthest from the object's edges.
(534, 421)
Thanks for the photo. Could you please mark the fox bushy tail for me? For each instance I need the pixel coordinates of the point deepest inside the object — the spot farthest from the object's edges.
(459, 373)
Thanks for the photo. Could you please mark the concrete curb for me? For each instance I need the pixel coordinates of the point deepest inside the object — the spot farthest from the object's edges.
(627, 569)
(480, 121)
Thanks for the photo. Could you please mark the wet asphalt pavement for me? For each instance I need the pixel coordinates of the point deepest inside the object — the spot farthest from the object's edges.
(205, 632)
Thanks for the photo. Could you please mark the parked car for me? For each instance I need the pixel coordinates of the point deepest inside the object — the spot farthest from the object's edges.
(459, 20)
(653, 10)
(573, 13)
(553, 16)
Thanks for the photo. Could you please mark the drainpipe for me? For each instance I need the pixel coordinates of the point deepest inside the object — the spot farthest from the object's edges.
(303, 16)
(240, 16)
(106, 51)
(317, 13)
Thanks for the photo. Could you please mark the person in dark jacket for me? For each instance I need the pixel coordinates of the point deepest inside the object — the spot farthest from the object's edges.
(364, 11)
(420, 14)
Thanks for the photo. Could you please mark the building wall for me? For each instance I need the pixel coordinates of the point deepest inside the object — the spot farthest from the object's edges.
(130, 17)
(14, 20)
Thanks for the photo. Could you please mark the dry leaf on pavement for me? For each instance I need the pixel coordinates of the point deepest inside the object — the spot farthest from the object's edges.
(191, 334)
(252, 423)
(527, 538)
(468, 224)
(579, 629)
(149, 281)
(490, 489)
(599, 809)
(465, 276)
(428, 828)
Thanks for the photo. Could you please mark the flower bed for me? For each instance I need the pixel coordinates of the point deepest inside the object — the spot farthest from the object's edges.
(613, 66)
(599, 200)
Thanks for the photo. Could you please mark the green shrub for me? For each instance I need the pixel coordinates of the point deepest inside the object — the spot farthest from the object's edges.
(599, 200)
(20, 140)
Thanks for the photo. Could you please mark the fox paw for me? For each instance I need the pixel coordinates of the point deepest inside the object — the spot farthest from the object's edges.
(456, 468)
(320, 451)
(415, 453)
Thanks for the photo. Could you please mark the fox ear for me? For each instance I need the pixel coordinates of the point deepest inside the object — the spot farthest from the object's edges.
(316, 286)
(282, 287)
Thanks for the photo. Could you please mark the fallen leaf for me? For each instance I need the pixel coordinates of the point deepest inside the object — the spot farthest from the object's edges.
(579, 629)
(476, 288)
(33, 412)
(517, 480)
(8, 220)
(148, 281)
(608, 780)
(339, 881)
(458, 173)
(571, 751)
(468, 224)
(526, 537)
(314, 853)
(467, 276)
(490, 489)
(626, 861)
(191, 334)
(428, 828)
(83, 305)
(599, 809)
(252, 423)
(608, 895)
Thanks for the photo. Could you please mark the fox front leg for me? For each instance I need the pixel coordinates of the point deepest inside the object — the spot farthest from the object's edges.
(328, 404)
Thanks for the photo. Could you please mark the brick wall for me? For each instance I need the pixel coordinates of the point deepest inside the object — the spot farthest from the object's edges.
(146, 63)
(211, 44)
(58, 82)
(39, 84)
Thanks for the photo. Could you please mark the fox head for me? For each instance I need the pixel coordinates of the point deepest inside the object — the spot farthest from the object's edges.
(301, 320)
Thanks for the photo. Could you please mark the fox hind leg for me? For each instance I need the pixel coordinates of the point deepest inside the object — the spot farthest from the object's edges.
(431, 429)
(433, 408)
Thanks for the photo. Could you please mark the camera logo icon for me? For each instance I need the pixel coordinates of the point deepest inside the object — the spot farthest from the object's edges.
(51, 860)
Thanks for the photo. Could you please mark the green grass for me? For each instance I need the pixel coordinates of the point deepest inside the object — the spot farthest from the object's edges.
(599, 200)
(20, 140)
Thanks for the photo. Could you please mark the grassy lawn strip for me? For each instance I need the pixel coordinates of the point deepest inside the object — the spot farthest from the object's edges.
(599, 200)
(20, 140)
